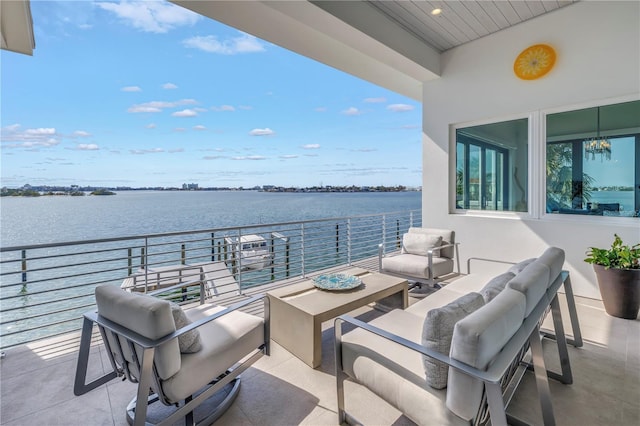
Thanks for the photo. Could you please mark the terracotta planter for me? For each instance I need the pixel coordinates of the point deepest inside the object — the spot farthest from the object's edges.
(620, 290)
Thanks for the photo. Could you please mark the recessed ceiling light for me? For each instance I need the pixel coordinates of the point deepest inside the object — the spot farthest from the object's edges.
(436, 12)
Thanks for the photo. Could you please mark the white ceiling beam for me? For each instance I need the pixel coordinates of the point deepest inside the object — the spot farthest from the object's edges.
(16, 26)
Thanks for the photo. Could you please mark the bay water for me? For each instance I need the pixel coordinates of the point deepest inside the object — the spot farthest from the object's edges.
(48, 219)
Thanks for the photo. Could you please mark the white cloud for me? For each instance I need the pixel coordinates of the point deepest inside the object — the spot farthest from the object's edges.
(250, 157)
(400, 107)
(213, 157)
(311, 146)
(352, 111)
(158, 106)
(223, 108)
(179, 129)
(199, 127)
(262, 132)
(174, 150)
(81, 134)
(169, 86)
(146, 151)
(151, 126)
(375, 100)
(288, 156)
(29, 138)
(131, 89)
(185, 113)
(364, 150)
(88, 147)
(243, 44)
(151, 16)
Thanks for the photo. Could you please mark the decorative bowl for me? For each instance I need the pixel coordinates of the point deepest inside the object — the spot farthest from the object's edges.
(336, 282)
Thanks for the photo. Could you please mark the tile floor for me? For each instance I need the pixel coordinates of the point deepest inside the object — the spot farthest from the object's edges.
(36, 383)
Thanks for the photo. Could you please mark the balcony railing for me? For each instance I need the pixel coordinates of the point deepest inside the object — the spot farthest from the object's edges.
(45, 289)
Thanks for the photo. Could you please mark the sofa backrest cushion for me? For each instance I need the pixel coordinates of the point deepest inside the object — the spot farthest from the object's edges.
(518, 267)
(420, 244)
(448, 237)
(532, 282)
(495, 286)
(437, 332)
(146, 315)
(477, 339)
(553, 257)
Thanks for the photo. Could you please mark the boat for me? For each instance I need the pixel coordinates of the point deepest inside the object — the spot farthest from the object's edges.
(252, 252)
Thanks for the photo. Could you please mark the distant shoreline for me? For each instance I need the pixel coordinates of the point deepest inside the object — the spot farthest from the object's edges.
(44, 191)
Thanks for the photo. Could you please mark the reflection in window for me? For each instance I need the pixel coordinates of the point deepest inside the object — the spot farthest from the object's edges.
(593, 161)
(491, 166)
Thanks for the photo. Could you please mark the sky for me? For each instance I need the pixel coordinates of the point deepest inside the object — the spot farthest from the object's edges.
(150, 94)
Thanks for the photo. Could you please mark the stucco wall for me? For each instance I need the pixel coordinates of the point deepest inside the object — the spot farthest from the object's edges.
(598, 61)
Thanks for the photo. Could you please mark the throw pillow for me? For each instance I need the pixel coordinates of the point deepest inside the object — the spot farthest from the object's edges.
(420, 244)
(189, 342)
(495, 286)
(438, 331)
(518, 267)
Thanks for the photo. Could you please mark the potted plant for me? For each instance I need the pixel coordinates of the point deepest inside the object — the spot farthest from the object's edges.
(618, 273)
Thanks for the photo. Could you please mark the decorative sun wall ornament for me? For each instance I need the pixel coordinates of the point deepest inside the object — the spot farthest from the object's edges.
(534, 61)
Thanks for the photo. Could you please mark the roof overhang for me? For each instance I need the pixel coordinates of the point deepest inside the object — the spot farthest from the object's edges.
(329, 32)
(16, 26)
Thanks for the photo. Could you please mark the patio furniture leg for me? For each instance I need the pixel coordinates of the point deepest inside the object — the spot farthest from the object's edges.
(542, 382)
(340, 375)
(80, 387)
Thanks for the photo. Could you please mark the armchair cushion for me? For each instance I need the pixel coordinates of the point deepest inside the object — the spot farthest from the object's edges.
(518, 267)
(188, 342)
(438, 331)
(412, 265)
(420, 244)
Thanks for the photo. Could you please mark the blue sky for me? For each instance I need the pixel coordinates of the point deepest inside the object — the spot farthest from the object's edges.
(150, 94)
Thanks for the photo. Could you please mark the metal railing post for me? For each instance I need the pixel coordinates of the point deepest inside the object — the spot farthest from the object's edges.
(213, 247)
(349, 242)
(398, 233)
(129, 261)
(24, 272)
(384, 231)
(183, 254)
(337, 237)
(302, 248)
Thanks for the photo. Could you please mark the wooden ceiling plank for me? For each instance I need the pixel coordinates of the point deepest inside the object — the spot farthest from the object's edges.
(469, 18)
(522, 9)
(508, 12)
(481, 15)
(495, 14)
(413, 23)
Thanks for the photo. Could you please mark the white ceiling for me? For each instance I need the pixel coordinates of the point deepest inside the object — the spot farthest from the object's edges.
(458, 23)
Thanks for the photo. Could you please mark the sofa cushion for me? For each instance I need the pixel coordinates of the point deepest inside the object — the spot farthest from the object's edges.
(437, 332)
(477, 339)
(188, 342)
(495, 286)
(420, 244)
(553, 257)
(518, 267)
(532, 282)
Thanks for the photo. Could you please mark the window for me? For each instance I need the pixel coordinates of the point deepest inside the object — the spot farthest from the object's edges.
(491, 166)
(593, 161)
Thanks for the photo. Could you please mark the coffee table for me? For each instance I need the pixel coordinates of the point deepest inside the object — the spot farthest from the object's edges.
(298, 311)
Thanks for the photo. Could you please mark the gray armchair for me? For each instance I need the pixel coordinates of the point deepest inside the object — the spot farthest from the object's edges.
(426, 254)
(180, 358)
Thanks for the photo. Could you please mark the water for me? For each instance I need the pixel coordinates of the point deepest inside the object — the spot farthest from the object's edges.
(624, 198)
(48, 219)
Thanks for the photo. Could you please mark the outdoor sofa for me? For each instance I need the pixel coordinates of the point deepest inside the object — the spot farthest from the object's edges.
(456, 356)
